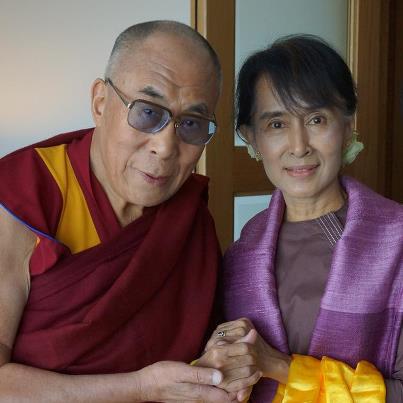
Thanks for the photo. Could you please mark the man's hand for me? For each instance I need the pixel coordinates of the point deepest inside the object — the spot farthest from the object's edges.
(169, 381)
(271, 362)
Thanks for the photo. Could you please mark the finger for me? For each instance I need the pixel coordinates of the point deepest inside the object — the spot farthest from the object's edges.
(238, 383)
(250, 338)
(202, 376)
(220, 340)
(239, 323)
(223, 350)
(239, 361)
(238, 331)
(236, 349)
(204, 393)
(244, 394)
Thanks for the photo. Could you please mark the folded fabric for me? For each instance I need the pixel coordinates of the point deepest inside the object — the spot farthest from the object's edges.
(331, 381)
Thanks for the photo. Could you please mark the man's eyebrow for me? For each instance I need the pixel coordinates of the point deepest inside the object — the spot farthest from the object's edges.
(201, 109)
(151, 92)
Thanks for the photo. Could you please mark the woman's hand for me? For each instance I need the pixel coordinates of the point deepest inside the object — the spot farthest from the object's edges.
(237, 362)
(272, 363)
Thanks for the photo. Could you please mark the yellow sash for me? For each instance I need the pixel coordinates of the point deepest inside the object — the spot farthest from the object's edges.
(330, 381)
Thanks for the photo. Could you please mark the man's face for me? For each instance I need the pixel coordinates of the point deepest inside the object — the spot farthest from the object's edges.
(139, 169)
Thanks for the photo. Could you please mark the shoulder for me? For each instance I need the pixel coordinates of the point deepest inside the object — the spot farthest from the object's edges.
(27, 188)
(251, 235)
(364, 203)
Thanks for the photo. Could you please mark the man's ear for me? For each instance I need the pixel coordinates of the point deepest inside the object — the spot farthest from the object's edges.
(248, 134)
(98, 100)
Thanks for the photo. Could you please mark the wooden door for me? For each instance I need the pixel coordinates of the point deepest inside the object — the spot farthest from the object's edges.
(233, 172)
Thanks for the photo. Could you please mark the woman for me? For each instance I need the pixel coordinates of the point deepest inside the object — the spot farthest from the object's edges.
(318, 273)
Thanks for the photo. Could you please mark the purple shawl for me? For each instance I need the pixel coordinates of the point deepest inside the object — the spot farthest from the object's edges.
(361, 311)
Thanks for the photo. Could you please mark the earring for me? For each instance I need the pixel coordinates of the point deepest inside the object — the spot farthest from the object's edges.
(353, 148)
(252, 153)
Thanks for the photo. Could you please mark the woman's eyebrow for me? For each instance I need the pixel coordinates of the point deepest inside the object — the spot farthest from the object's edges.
(271, 114)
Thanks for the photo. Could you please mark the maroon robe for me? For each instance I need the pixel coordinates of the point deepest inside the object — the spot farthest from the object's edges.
(144, 294)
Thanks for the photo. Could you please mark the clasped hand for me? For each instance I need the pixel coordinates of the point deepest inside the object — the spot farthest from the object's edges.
(240, 353)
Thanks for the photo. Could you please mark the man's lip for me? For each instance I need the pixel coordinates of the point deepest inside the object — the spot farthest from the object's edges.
(154, 178)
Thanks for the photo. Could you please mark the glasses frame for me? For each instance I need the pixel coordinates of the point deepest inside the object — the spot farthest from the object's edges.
(177, 120)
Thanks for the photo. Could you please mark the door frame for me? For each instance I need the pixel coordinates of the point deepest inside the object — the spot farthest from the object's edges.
(232, 172)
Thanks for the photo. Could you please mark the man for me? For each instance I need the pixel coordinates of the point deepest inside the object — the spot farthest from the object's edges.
(108, 255)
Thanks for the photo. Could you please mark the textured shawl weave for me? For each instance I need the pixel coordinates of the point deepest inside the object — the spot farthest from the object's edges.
(361, 311)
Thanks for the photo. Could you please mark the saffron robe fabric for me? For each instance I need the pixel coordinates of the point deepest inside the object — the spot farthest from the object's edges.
(361, 311)
(124, 302)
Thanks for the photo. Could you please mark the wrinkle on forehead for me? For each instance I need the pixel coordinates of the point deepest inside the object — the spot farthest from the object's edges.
(171, 78)
(170, 54)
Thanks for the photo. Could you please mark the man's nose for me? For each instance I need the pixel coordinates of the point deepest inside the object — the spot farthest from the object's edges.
(165, 143)
(299, 141)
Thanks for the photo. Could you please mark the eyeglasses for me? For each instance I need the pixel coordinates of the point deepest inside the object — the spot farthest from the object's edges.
(149, 117)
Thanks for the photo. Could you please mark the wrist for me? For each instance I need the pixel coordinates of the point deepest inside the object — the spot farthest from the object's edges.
(141, 386)
(276, 366)
(283, 368)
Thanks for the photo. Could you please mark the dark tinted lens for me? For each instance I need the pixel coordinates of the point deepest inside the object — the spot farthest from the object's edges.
(195, 130)
(147, 117)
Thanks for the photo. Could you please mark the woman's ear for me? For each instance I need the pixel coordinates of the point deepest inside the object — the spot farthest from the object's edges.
(248, 135)
(98, 100)
(348, 131)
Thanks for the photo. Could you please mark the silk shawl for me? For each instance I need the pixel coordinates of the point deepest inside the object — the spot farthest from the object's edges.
(361, 311)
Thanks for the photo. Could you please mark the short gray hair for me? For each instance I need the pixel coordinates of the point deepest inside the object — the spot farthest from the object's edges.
(139, 32)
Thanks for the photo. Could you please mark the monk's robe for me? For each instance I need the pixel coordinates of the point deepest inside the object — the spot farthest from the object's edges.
(106, 299)
(352, 309)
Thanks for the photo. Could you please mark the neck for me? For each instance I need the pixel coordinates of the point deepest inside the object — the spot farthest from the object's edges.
(303, 209)
(127, 214)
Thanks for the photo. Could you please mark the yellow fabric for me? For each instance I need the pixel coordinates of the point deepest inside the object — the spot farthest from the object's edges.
(330, 381)
(76, 229)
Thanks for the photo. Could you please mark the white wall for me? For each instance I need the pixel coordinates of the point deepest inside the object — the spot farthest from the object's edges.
(52, 50)
(261, 22)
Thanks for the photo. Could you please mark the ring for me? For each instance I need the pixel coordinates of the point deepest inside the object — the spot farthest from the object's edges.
(221, 333)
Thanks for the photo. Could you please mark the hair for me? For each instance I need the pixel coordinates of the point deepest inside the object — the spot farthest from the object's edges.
(303, 70)
(137, 33)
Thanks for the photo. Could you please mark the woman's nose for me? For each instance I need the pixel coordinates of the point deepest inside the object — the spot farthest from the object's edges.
(298, 140)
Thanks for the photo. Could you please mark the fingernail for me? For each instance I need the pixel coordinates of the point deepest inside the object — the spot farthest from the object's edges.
(217, 378)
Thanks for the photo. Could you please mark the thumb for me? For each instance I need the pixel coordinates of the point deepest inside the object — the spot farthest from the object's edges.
(250, 338)
(204, 376)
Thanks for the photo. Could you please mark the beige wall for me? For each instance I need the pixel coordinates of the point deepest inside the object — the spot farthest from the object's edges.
(51, 51)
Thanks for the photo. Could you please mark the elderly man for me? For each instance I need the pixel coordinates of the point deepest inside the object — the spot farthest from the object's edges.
(108, 254)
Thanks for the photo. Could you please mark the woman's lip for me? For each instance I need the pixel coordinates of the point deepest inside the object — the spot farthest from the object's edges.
(301, 171)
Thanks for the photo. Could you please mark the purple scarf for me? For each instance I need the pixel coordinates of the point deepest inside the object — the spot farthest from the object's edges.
(361, 311)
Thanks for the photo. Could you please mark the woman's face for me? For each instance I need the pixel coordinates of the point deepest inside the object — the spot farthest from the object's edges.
(301, 152)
